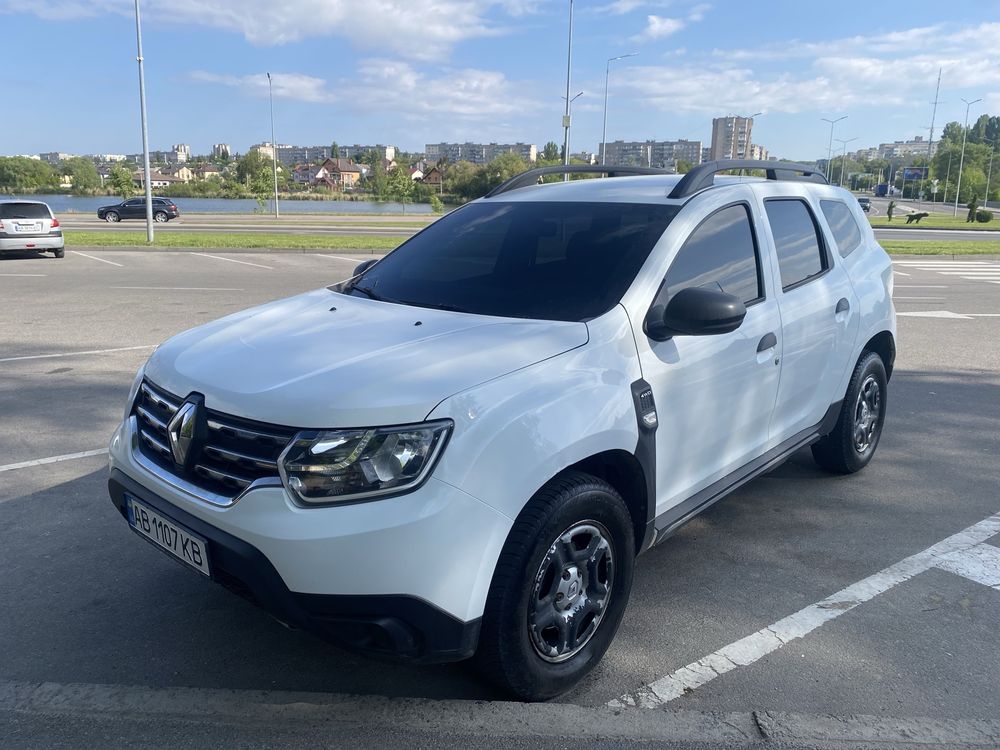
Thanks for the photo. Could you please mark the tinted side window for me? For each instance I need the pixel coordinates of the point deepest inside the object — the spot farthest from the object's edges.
(796, 240)
(720, 253)
(845, 229)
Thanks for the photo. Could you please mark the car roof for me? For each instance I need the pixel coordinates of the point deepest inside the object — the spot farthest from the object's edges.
(19, 200)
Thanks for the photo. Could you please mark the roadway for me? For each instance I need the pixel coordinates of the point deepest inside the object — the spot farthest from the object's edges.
(102, 636)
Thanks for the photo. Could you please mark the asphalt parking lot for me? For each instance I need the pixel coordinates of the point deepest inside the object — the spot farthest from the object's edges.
(815, 560)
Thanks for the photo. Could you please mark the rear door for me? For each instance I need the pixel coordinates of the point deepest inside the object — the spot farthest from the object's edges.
(714, 394)
(819, 314)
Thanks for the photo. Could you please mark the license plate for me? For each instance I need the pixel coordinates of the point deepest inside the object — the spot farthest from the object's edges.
(27, 227)
(187, 547)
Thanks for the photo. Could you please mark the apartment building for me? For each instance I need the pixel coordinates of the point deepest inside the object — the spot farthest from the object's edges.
(662, 154)
(355, 151)
(221, 151)
(479, 153)
(731, 137)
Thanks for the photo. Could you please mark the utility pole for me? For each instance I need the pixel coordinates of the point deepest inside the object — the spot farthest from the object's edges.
(944, 199)
(989, 174)
(569, 68)
(829, 150)
(274, 147)
(961, 161)
(145, 131)
(843, 159)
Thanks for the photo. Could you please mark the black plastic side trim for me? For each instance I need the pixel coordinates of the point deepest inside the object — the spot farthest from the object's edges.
(532, 175)
(393, 626)
(645, 453)
(667, 523)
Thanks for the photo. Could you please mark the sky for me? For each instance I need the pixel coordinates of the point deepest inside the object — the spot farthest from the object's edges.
(411, 72)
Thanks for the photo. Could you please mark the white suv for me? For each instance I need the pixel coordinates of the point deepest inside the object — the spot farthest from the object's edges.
(463, 448)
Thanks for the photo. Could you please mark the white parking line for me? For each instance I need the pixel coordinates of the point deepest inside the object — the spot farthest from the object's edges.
(182, 288)
(233, 260)
(339, 257)
(23, 274)
(921, 286)
(895, 297)
(957, 553)
(102, 260)
(53, 459)
(77, 354)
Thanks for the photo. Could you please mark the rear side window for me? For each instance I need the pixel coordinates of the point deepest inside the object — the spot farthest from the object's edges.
(13, 210)
(845, 229)
(796, 240)
(720, 253)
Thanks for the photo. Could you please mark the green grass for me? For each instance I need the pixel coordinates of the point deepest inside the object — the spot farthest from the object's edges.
(934, 221)
(219, 240)
(952, 247)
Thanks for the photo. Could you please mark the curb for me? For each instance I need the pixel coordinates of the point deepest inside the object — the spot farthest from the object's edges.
(487, 718)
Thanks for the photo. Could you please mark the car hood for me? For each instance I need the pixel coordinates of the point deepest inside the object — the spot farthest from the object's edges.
(324, 359)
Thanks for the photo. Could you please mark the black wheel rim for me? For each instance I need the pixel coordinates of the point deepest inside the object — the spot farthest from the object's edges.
(571, 591)
(867, 414)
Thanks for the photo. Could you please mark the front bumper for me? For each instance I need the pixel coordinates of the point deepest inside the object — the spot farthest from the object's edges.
(31, 242)
(404, 577)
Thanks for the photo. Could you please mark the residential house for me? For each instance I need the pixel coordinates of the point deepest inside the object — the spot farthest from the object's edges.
(156, 180)
(206, 171)
(433, 177)
(339, 174)
(181, 171)
(416, 174)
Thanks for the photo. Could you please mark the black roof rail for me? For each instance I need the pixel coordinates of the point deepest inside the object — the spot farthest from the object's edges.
(532, 175)
(703, 175)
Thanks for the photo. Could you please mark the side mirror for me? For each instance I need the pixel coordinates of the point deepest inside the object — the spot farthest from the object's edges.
(695, 311)
(362, 267)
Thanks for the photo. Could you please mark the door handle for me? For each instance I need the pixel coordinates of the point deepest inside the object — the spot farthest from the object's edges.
(843, 306)
(769, 341)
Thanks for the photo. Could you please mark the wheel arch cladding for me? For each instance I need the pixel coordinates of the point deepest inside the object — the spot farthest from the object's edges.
(622, 471)
(884, 345)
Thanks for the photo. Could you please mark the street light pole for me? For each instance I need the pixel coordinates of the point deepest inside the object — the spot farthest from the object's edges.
(607, 76)
(829, 150)
(961, 161)
(989, 173)
(274, 147)
(145, 131)
(843, 158)
(569, 68)
(951, 155)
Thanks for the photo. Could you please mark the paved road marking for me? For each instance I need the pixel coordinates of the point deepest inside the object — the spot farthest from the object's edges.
(53, 459)
(921, 286)
(233, 260)
(895, 297)
(182, 288)
(77, 354)
(956, 553)
(947, 314)
(23, 274)
(102, 260)
(340, 257)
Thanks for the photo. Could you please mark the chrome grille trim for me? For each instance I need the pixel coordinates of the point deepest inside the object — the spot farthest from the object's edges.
(235, 456)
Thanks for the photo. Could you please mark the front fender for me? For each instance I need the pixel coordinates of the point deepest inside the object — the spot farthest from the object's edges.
(516, 432)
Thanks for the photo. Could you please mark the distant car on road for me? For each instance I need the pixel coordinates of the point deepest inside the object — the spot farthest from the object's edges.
(30, 225)
(164, 209)
(866, 203)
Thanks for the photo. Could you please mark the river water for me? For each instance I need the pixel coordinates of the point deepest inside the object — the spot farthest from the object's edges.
(88, 205)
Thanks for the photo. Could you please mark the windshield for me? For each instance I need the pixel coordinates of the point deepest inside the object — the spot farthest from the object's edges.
(11, 210)
(552, 261)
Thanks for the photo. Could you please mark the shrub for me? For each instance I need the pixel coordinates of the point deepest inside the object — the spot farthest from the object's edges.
(984, 217)
(438, 207)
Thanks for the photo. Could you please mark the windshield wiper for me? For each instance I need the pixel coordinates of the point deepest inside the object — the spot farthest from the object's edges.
(436, 306)
(370, 293)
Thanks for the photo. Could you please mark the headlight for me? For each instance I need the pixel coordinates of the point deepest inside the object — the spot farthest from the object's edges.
(347, 465)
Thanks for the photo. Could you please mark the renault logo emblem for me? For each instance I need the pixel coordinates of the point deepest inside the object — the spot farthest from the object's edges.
(181, 431)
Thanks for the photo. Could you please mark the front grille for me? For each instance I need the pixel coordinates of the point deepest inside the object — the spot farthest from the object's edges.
(234, 453)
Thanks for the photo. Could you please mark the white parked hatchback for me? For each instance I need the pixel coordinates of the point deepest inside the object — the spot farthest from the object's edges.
(462, 449)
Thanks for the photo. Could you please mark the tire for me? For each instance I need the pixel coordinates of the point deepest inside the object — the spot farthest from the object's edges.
(852, 443)
(60, 253)
(160, 217)
(112, 217)
(514, 634)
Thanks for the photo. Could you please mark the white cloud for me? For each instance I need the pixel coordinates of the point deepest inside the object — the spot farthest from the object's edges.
(422, 29)
(294, 86)
(697, 13)
(658, 27)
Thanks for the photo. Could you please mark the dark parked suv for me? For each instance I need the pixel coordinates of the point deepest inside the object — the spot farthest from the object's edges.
(164, 209)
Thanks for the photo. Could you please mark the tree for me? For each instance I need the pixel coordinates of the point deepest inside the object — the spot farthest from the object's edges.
(683, 167)
(20, 174)
(399, 184)
(550, 152)
(121, 180)
(952, 133)
(890, 210)
(437, 206)
(334, 150)
(254, 172)
(83, 174)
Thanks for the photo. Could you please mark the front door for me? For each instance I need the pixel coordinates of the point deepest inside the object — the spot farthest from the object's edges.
(714, 394)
